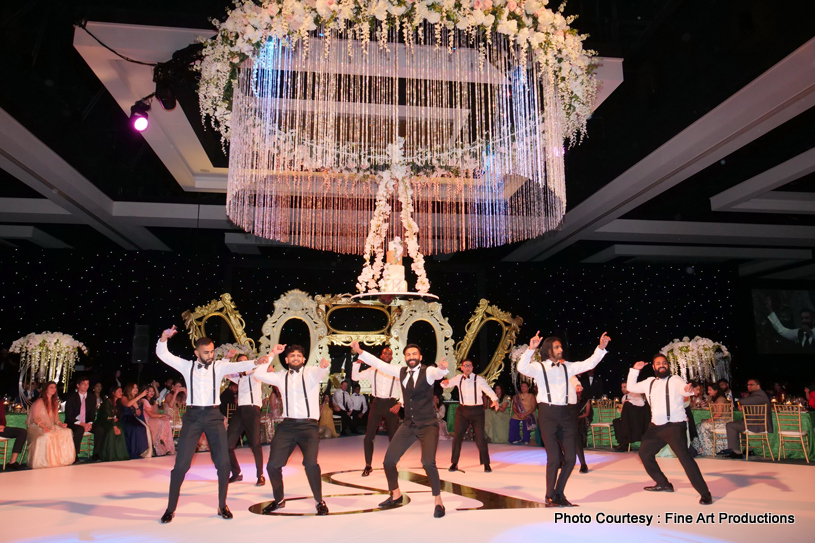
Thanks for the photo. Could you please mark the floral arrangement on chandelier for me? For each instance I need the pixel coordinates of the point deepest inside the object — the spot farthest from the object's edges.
(698, 359)
(371, 277)
(50, 356)
(557, 48)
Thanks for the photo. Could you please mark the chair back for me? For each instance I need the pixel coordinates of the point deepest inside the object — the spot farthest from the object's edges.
(789, 418)
(230, 408)
(606, 411)
(755, 418)
(721, 411)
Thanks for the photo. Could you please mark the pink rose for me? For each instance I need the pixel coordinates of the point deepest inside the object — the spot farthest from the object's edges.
(512, 5)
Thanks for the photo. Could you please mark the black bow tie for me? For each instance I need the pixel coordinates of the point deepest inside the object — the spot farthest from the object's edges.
(293, 371)
(203, 365)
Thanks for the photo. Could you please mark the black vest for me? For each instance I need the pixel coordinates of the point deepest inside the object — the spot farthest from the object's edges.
(419, 410)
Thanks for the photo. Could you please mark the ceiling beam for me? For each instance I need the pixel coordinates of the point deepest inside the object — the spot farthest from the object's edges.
(681, 252)
(781, 93)
(32, 234)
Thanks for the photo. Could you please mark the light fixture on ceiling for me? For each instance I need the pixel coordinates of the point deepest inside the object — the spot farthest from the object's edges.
(138, 115)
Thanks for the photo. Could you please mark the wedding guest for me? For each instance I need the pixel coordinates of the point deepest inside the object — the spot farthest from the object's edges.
(779, 393)
(699, 398)
(523, 417)
(117, 378)
(136, 433)
(724, 388)
(441, 417)
(274, 414)
(634, 419)
(704, 443)
(496, 422)
(17, 434)
(582, 413)
(166, 389)
(343, 406)
(97, 395)
(80, 411)
(112, 446)
(755, 396)
(359, 411)
(327, 429)
(50, 442)
(160, 425)
(809, 396)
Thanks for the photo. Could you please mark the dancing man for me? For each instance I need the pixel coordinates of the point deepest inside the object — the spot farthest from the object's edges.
(384, 405)
(470, 411)
(666, 394)
(203, 378)
(420, 423)
(246, 418)
(301, 411)
(556, 423)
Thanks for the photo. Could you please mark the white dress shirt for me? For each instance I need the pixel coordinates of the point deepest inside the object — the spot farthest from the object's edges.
(200, 392)
(297, 403)
(790, 333)
(359, 403)
(433, 373)
(342, 400)
(634, 399)
(384, 386)
(656, 396)
(558, 383)
(470, 389)
(249, 390)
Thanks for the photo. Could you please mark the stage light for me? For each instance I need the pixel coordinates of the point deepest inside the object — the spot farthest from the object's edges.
(138, 115)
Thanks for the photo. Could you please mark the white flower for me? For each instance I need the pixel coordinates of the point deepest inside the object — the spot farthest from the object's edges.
(508, 26)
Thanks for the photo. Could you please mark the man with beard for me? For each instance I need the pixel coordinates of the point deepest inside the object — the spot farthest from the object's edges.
(384, 405)
(300, 387)
(666, 394)
(556, 422)
(803, 336)
(203, 376)
(420, 419)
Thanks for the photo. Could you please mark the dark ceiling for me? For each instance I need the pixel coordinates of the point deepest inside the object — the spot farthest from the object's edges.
(682, 59)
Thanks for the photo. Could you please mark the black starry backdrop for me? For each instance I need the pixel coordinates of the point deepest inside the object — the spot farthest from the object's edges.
(99, 298)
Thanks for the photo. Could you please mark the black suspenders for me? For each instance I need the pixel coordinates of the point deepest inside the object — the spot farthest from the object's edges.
(546, 382)
(192, 383)
(393, 382)
(667, 396)
(375, 372)
(305, 394)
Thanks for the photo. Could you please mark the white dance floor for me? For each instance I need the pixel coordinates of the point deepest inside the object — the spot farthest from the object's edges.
(122, 501)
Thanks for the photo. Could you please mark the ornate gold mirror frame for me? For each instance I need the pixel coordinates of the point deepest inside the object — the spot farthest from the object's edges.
(224, 308)
(510, 326)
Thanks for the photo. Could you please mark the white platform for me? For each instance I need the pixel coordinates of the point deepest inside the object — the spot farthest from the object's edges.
(122, 501)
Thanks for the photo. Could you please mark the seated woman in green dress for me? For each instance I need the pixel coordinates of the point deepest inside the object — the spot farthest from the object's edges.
(114, 446)
(497, 420)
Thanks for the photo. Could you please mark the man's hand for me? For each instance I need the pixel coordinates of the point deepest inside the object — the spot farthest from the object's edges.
(395, 409)
(535, 341)
(231, 354)
(2, 428)
(494, 405)
(445, 382)
(168, 333)
(443, 363)
(87, 426)
(263, 360)
(356, 348)
(269, 369)
(604, 339)
(689, 388)
(324, 363)
(277, 349)
(117, 431)
(768, 305)
(639, 365)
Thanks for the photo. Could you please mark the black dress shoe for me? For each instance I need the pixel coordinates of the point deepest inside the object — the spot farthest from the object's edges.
(724, 452)
(167, 517)
(735, 455)
(224, 512)
(453, 467)
(563, 502)
(367, 471)
(261, 481)
(322, 509)
(274, 506)
(549, 502)
(236, 478)
(390, 503)
(438, 512)
(14, 466)
(706, 499)
(622, 447)
(487, 468)
(660, 488)
(584, 468)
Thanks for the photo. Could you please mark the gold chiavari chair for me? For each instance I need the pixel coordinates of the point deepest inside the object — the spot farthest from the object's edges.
(603, 429)
(178, 414)
(790, 429)
(755, 416)
(720, 412)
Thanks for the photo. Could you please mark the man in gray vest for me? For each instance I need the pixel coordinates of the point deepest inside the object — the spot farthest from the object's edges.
(755, 396)
(420, 423)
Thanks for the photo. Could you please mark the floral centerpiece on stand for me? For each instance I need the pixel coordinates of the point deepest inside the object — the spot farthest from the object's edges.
(48, 356)
(698, 359)
(515, 355)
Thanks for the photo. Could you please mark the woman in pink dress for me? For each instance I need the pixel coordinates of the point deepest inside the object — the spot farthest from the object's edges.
(161, 426)
(50, 442)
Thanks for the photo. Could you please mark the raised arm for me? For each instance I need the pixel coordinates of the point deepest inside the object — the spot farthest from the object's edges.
(435, 374)
(632, 384)
(265, 374)
(357, 373)
(592, 361)
(164, 354)
(450, 383)
(317, 373)
(783, 331)
(681, 387)
(389, 369)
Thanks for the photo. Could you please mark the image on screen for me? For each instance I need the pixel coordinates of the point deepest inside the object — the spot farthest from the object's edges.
(784, 321)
